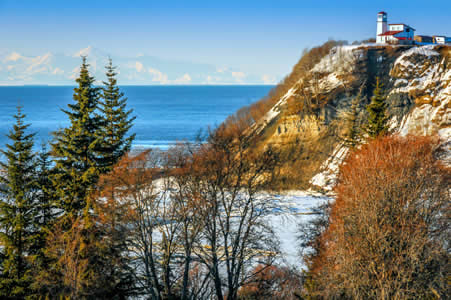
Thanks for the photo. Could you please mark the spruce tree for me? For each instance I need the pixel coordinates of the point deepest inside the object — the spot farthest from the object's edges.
(45, 197)
(75, 147)
(351, 136)
(17, 211)
(116, 121)
(377, 113)
(45, 215)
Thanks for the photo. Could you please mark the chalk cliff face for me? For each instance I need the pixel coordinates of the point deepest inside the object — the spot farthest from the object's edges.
(417, 82)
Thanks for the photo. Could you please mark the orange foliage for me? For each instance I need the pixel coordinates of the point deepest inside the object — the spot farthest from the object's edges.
(272, 282)
(388, 225)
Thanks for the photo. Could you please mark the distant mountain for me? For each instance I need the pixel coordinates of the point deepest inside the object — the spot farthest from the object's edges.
(62, 69)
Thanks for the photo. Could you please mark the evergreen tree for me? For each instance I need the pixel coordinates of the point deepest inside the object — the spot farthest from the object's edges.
(45, 213)
(17, 211)
(116, 121)
(351, 135)
(75, 147)
(377, 113)
(45, 199)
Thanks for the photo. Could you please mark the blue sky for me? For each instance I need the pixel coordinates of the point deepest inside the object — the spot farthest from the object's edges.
(249, 38)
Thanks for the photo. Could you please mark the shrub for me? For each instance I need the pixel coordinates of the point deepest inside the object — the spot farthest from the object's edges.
(389, 228)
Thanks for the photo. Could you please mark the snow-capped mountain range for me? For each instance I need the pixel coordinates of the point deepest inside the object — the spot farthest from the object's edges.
(61, 69)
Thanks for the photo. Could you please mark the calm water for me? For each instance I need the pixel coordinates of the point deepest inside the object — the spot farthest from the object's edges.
(164, 114)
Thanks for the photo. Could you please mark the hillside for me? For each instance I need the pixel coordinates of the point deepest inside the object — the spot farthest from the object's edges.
(306, 122)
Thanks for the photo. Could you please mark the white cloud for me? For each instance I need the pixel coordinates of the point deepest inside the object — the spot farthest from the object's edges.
(221, 70)
(268, 79)
(239, 76)
(17, 78)
(83, 52)
(57, 71)
(134, 70)
(38, 62)
(139, 67)
(158, 76)
(40, 69)
(93, 65)
(213, 80)
(184, 79)
(75, 72)
(13, 57)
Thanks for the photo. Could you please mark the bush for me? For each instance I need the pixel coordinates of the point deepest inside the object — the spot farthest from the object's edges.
(389, 230)
(272, 282)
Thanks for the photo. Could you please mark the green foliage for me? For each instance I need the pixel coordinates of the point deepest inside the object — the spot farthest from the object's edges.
(45, 197)
(84, 260)
(67, 275)
(75, 147)
(17, 211)
(352, 132)
(45, 215)
(116, 121)
(53, 241)
(377, 113)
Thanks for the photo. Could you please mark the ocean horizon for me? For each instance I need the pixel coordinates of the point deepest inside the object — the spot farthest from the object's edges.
(164, 114)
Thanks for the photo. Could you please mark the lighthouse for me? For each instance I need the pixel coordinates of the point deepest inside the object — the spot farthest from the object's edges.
(381, 26)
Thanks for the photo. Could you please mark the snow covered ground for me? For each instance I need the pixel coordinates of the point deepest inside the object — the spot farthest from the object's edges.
(290, 209)
(286, 211)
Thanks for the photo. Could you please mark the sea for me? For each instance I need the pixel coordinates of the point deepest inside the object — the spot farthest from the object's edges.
(164, 114)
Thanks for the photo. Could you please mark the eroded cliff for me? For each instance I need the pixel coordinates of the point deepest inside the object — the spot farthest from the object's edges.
(307, 120)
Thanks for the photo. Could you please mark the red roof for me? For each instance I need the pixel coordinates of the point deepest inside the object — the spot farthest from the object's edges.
(390, 33)
(381, 12)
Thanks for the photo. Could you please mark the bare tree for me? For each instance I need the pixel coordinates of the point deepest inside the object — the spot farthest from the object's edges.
(197, 225)
(134, 184)
(235, 236)
(184, 194)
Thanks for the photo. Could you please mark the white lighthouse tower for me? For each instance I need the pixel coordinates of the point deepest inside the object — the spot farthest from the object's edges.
(381, 26)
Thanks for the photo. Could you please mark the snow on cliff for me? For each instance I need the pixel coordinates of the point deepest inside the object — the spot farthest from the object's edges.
(430, 83)
(341, 60)
(259, 126)
(425, 76)
(326, 179)
(418, 87)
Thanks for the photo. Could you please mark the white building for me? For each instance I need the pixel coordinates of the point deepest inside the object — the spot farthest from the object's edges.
(393, 33)
(441, 39)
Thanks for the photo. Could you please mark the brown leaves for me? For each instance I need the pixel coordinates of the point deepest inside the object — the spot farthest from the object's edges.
(272, 282)
(388, 225)
(69, 251)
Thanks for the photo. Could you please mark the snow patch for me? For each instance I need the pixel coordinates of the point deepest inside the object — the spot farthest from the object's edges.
(258, 127)
(327, 177)
(427, 50)
(341, 59)
(290, 209)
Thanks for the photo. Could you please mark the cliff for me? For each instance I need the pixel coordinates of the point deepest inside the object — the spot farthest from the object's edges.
(308, 119)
